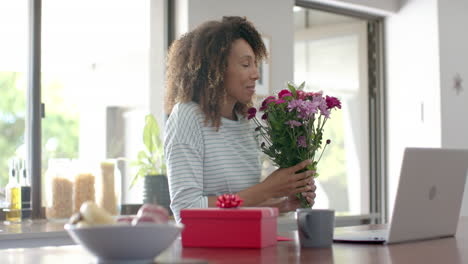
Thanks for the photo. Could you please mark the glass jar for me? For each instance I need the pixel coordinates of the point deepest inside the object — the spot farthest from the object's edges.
(59, 189)
(84, 183)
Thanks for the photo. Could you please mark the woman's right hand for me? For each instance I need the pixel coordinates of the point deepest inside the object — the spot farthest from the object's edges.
(285, 182)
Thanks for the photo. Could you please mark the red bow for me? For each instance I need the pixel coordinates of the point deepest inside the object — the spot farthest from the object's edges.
(229, 201)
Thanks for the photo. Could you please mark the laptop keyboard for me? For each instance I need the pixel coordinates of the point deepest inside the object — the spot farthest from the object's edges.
(363, 235)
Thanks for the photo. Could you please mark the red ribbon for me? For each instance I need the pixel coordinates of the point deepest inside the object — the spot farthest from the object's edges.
(229, 201)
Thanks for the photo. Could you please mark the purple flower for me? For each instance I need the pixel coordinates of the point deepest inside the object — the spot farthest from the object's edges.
(295, 104)
(306, 108)
(293, 123)
(328, 141)
(284, 93)
(252, 112)
(324, 110)
(309, 107)
(333, 102)
(264, 116)
(301, 141)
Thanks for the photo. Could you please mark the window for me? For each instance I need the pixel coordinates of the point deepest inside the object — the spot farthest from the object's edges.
(13, 84)
(95, 85)
(331, 54)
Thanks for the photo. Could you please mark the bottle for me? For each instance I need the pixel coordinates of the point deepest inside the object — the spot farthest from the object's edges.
(13, 194)
(25, 187)
(106, 191)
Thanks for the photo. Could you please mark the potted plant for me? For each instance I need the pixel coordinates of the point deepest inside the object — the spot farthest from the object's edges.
(151, 165)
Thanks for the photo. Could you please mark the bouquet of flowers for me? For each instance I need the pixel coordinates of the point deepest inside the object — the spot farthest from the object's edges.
(292, 127)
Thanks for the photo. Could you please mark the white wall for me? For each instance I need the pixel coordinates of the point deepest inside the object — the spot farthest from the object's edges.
(426, 49)
(454, 60)
(158, 50)
(412, 73)
(273, 18)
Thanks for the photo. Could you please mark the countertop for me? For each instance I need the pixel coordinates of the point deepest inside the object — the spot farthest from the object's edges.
(445, 250)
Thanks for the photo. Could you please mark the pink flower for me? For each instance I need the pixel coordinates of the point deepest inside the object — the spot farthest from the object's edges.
(319, 93)
(301, 95)
(301, 141)
(252, 112)
(293, 123)
(333, 102)
(280, 101)
(265, 102)
(284, 93)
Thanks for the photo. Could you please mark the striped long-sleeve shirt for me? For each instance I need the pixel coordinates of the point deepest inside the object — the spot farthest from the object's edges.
(203, 162)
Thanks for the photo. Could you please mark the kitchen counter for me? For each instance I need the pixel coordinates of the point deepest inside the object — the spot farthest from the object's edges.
(446, 250)
(40, 233)
(34, 234)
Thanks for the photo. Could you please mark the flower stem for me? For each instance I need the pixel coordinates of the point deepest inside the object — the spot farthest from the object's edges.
(323, 150)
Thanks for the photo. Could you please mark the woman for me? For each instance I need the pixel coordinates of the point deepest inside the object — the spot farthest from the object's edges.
(209, 145)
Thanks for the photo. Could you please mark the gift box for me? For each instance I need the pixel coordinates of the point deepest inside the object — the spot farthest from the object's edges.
(252, 227)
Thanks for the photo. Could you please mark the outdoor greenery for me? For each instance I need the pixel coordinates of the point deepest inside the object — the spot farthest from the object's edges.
(12, 118)
(60, 128)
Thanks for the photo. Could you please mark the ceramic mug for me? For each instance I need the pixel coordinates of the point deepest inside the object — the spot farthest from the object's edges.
(315, 227)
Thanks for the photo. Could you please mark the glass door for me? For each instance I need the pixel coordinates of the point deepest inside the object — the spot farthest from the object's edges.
(330, 55)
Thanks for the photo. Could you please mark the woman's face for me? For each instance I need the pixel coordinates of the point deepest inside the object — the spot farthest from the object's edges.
(241, 73)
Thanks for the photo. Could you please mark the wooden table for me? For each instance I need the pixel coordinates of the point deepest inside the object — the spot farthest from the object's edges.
(447, 251)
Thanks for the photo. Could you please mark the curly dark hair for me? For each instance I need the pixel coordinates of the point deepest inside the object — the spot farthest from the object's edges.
(198, 61)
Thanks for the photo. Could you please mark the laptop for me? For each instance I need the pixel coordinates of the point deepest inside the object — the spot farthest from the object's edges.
(428, 200)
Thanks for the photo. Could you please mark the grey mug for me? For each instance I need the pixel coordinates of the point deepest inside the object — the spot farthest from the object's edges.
(315, 227)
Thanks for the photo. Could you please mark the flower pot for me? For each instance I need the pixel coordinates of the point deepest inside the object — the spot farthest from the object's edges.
(156, 190)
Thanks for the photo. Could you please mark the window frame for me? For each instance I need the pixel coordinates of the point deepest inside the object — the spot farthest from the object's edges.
(378, 207)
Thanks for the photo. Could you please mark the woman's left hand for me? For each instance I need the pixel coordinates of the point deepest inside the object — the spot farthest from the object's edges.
(292, 202)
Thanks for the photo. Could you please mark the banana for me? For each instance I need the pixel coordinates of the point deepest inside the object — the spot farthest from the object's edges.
(83, 223)
(92, 214)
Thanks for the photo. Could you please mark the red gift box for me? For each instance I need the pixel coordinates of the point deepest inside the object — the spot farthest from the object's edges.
(251, 227)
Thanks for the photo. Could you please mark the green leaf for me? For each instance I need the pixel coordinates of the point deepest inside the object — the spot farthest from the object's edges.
(292, 89)
(142, 155)
(301, 87)
(151, 134)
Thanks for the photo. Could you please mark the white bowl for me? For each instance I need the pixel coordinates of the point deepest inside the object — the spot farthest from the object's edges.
(125, 242)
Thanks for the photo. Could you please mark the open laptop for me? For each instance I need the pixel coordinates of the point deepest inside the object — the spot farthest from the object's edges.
(428, 200)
